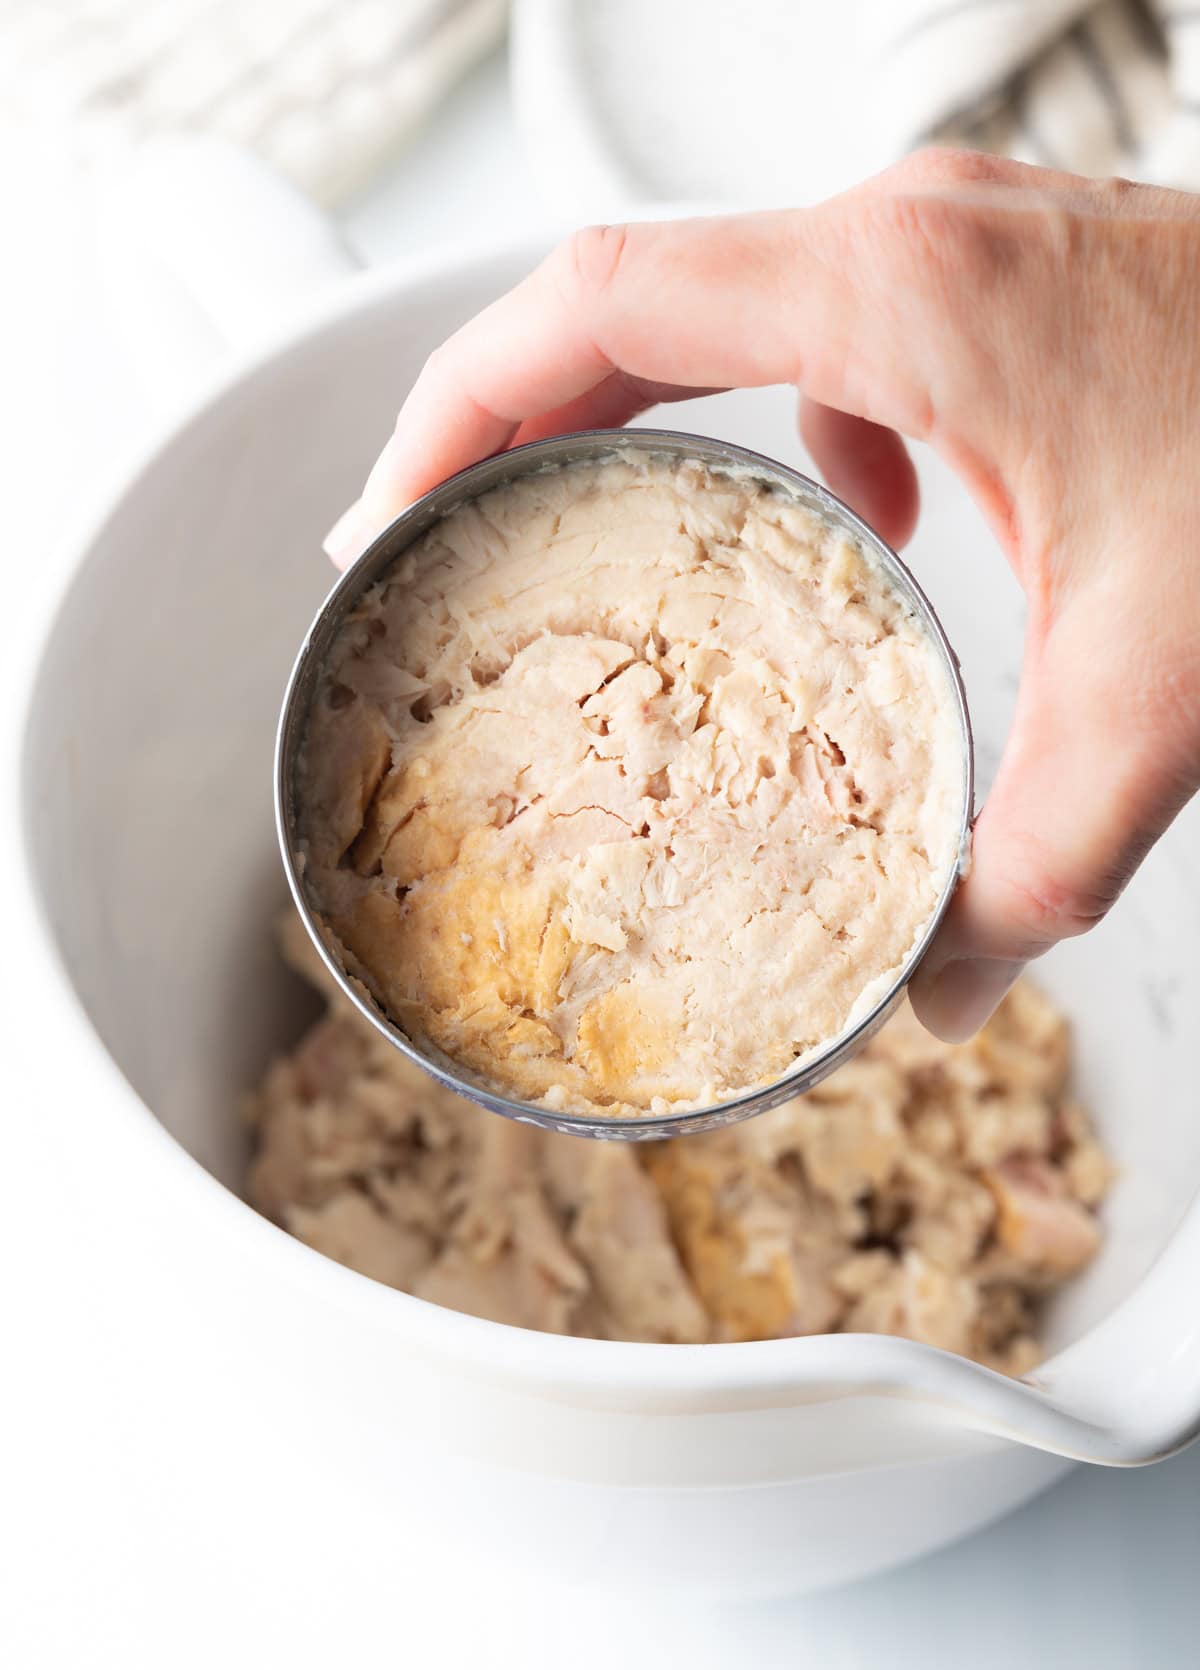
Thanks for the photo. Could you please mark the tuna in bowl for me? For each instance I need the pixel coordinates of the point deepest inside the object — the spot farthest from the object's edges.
(942, 1194)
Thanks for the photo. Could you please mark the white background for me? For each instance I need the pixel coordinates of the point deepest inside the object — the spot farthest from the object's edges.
(111, 1555)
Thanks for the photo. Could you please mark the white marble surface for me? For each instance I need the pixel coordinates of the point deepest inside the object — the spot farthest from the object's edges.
(117, 1543)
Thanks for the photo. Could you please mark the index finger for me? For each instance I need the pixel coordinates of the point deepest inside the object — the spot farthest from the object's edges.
(832, 299)
(738, 301)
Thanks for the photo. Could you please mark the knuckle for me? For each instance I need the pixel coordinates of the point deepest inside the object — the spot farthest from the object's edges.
(947, 166)
(935, 227)
(949, 231)
(1115, 191)
(436, 362)
(961, 250)
(593, 257)
(1044, 908)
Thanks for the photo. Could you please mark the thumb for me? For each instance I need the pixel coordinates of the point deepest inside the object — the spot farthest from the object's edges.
(1102, 753)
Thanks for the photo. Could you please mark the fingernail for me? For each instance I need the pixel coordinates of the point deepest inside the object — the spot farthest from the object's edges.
(959, 999)
(350, 535)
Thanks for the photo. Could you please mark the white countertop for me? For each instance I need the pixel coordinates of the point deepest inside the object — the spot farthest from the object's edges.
(114, 1552)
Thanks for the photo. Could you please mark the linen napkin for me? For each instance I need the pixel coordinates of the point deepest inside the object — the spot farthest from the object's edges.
(323, 89)
(1093, 86)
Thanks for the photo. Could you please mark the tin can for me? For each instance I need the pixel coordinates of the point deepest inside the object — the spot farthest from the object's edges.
(592, 447)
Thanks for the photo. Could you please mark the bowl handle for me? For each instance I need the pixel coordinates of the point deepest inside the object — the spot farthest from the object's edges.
(204, 249)
(1135, 1378)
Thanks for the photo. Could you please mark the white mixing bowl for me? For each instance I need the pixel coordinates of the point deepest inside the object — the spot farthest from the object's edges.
(742, 1468)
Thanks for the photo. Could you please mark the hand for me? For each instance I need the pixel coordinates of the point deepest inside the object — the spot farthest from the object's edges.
(1040, 332)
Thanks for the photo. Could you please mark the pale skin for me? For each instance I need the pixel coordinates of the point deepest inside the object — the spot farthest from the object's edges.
(1042, 334)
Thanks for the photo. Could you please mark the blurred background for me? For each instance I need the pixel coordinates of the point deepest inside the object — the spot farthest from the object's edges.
(421, 123)
(416, 126)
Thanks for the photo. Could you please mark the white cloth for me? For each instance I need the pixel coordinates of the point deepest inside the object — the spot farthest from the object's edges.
(324, 89)
(1093, 86)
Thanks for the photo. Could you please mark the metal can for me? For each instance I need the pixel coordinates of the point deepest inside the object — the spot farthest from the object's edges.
(591, 447)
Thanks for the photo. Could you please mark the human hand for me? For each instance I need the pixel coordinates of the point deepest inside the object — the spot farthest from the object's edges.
(1042, 334)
